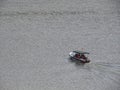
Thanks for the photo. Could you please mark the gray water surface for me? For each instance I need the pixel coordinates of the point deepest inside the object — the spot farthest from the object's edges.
(36, 37)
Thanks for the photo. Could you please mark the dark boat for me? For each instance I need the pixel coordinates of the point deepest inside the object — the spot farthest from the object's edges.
(79, 55)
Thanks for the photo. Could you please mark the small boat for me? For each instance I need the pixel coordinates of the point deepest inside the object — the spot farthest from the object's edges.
(79, 55)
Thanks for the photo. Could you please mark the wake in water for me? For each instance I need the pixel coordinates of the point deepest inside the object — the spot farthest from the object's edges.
(100, 74)
(104, 74)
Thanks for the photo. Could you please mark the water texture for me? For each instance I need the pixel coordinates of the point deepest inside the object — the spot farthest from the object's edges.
(36, 37)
